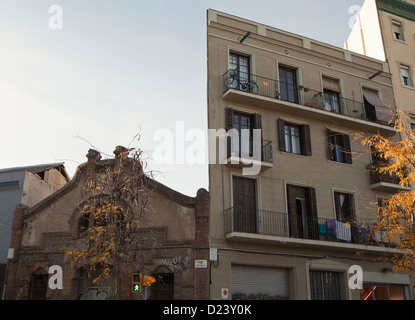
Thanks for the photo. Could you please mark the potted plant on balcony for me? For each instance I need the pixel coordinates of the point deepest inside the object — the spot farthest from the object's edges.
(311, 105)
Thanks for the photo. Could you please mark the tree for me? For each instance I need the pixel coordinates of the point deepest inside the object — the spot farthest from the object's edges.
(396, 215)
(116, 197)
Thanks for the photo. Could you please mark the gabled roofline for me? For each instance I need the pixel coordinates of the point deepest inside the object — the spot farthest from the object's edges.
(80, 172)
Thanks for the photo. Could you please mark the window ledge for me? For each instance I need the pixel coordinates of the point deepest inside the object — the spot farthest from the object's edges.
(407, 87)
(400, 41)
(341, 163)
(295, 154)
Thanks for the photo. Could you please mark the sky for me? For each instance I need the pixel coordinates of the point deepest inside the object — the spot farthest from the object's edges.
(115, 69)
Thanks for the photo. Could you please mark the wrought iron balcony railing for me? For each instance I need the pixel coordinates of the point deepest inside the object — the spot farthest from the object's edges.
(376, 177)
(243, 148)
(272, 223)
(262, 86)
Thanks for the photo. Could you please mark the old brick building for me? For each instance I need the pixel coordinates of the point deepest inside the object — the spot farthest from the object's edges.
(178, 226)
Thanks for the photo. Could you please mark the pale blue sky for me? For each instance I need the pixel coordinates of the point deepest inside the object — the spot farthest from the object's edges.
(117, 66)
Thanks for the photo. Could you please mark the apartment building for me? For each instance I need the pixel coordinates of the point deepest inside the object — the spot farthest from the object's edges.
(385, 30)
(299, 223)
(25, 186)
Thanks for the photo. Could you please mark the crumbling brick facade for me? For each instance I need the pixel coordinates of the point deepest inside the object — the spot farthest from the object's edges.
(41, 233)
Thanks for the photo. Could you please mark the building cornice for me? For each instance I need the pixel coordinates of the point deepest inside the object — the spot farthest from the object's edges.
(397, 7)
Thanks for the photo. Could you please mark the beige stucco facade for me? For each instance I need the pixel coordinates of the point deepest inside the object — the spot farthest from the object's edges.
(381, 21)
(267, 243)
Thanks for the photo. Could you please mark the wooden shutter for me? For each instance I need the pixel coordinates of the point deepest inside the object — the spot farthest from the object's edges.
(312, 202)
(228, 118)
(257, 124)
(291, 200)
(281, 134)
(337, 205)
(257, 121)
(305, 140)
(228, 126)
(244, 204)
(350, 207)
(310, 194)
(347, 149)
(331, 150)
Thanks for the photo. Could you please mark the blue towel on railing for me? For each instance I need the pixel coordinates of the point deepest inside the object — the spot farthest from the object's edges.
(322, 228)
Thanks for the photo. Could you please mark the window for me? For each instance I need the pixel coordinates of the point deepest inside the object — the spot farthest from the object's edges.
(331, 91)
(325, 285)
(302, 212)
(406, 75)
(344, 205)
(374, 291)
(240, 64)
(9, 185)
(339, 147)
(163, 288)
(397, 30)
(372, 103)
(294, 138)
(381, 205)
(244, 204)
(99, 214)
(38, 285)
(331, 101)
(288, 84)
(244, 124)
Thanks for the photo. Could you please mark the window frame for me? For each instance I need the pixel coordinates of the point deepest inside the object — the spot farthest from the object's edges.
(242, 76)
(332, 98)
(285, 94)
(304, 137)
(399, 25)
(250, 126)
(38, 285)
(350, 216)
(407, 68)
(345, 147)
(292, 138)
(338, 289)
(388, 286)
(255, 124)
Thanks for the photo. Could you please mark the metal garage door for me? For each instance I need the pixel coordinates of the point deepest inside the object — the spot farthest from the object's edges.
(249, 282)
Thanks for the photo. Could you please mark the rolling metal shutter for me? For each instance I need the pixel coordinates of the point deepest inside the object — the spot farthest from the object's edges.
(259, 281)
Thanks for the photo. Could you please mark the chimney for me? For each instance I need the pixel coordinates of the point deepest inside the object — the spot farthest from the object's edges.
(93, 156)
(120, 153)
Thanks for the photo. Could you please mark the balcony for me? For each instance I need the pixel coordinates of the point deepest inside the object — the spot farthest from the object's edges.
(270, 227)
(385, 182)
(270, 93)
(242, 154)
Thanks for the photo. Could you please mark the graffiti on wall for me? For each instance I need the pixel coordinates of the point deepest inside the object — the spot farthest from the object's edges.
(94, 294)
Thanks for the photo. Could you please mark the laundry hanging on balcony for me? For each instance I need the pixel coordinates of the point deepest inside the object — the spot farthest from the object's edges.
(343, 231)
